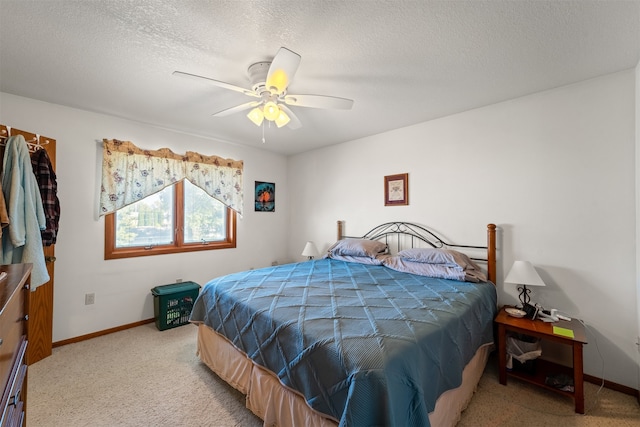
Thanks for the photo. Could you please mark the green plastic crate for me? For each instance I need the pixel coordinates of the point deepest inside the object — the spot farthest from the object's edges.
(172, 303)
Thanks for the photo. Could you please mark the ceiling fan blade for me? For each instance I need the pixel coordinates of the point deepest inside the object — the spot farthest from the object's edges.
(294, 123)
(319, 101)
(237, 108)
(282, 69)
(216, 83)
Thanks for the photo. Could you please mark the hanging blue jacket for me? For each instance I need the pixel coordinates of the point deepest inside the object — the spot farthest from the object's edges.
(22, 243)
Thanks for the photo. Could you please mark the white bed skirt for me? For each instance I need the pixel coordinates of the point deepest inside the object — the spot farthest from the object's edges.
(279, 405)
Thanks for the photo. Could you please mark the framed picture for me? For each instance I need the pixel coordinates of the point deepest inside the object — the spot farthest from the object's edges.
(396, 190)
(265, 197)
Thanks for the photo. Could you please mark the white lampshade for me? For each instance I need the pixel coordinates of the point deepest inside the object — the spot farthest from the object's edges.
(523, 273)
(271, 111)
(310, 250)
(282, 119)
(256, 116)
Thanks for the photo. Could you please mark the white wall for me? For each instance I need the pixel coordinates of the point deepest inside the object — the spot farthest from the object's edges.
(638, 213)
(554, 171)
(122, 287)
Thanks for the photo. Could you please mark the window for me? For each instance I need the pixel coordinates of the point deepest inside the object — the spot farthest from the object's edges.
(179, 218)
(151, 206)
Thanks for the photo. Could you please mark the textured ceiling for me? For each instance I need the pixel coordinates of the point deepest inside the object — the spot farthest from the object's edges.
(403, 62)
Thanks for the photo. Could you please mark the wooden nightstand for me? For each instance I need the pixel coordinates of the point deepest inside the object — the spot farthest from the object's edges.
(543, 330)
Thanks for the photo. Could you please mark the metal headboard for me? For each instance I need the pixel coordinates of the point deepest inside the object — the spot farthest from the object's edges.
(418, 233)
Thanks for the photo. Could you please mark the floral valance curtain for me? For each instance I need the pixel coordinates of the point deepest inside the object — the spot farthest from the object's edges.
(130, 174)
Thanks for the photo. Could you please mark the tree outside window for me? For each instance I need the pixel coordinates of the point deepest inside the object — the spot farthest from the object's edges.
(179, 218)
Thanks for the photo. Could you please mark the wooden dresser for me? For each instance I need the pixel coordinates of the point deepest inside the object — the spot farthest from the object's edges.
(14, 304)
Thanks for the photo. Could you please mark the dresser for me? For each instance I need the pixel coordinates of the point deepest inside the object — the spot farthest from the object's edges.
(14, 303)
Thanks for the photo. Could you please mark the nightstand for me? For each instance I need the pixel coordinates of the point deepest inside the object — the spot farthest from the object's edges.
(544, 331)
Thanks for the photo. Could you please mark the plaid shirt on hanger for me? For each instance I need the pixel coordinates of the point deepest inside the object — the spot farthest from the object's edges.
(48, 185)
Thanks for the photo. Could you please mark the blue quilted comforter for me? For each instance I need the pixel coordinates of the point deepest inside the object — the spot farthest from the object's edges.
(365, 344)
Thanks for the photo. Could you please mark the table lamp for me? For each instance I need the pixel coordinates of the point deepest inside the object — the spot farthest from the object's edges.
(523, 273)
(310, 250)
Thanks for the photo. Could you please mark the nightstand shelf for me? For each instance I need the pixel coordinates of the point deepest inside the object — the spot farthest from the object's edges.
(543, 368)
(544, 331)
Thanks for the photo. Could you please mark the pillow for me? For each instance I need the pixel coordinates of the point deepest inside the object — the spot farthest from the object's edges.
(440, 271)
(358, 247)
(359, 259)
(470, 273)
(474, 276)
(438, 256)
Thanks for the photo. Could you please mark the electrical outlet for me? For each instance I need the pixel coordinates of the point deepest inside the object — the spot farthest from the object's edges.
(89, 299)
(274, 263)
(178, 280)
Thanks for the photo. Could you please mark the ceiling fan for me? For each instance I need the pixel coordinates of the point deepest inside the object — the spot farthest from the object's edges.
(270, 81)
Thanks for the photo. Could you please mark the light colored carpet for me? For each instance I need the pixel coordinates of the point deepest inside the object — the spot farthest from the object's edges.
(523, 405)
(146, 377)
(137, 377)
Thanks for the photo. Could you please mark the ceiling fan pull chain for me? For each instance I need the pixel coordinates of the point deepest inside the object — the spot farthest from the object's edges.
(263, 140)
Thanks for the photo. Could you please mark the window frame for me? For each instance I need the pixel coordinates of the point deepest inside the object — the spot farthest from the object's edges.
(178, 245)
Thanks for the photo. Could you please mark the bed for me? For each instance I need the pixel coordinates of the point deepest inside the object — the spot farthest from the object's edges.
(361, 337)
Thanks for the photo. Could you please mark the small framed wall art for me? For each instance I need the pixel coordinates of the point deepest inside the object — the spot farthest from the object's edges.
(265, 196)
(396, 190)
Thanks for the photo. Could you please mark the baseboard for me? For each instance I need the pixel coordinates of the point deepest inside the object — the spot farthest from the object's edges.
(613, 386)
(101, 333)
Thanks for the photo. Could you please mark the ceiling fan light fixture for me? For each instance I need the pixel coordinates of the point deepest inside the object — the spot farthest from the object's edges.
(278, 81)
(271, 111)
(282, 119)
(269, 87)
(256, 116)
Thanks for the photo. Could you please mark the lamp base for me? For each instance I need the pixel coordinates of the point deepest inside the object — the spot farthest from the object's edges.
(524, 296)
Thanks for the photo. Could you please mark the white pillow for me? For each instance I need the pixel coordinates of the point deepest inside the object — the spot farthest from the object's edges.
(359, 259)
(440, 271)
(358, 247)
(438, 256)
